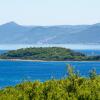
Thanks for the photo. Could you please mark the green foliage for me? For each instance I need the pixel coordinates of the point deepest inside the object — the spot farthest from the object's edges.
(47, 54)
(72, 87)
(92, 74)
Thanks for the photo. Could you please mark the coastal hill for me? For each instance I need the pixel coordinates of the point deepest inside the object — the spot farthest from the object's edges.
(12, 33)
(47, 54)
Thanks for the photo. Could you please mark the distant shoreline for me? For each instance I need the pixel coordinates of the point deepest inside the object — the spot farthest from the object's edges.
(21, 60)
(25, 60)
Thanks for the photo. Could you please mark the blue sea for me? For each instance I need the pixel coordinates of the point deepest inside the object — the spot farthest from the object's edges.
(89, 52)
(13, 72)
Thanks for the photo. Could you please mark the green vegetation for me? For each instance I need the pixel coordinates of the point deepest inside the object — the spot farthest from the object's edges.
(72, 87)
(47, 54)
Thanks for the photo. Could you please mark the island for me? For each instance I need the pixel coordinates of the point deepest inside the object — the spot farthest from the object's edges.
(47, 54)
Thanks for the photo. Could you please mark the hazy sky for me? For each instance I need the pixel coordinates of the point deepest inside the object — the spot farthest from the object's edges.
(50, 12)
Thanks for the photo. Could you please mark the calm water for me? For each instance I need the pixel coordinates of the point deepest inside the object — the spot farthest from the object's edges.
(12, 72)
(3, 51)
(90, 52)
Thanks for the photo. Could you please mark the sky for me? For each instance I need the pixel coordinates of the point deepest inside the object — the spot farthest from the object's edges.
(50, 12)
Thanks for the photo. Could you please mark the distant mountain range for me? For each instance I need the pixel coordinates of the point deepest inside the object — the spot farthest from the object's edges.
(12, 33)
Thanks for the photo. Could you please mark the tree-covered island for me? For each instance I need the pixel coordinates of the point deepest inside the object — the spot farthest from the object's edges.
(47, 54)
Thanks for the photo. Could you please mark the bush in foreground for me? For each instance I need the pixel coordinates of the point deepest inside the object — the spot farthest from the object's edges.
(73, 87)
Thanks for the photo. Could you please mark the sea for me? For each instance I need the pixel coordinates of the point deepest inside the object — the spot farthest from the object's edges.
(15, 72)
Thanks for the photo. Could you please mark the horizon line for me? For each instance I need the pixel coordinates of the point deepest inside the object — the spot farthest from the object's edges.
(14, 22)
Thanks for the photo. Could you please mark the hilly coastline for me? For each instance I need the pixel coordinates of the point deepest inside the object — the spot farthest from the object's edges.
(12, 33)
